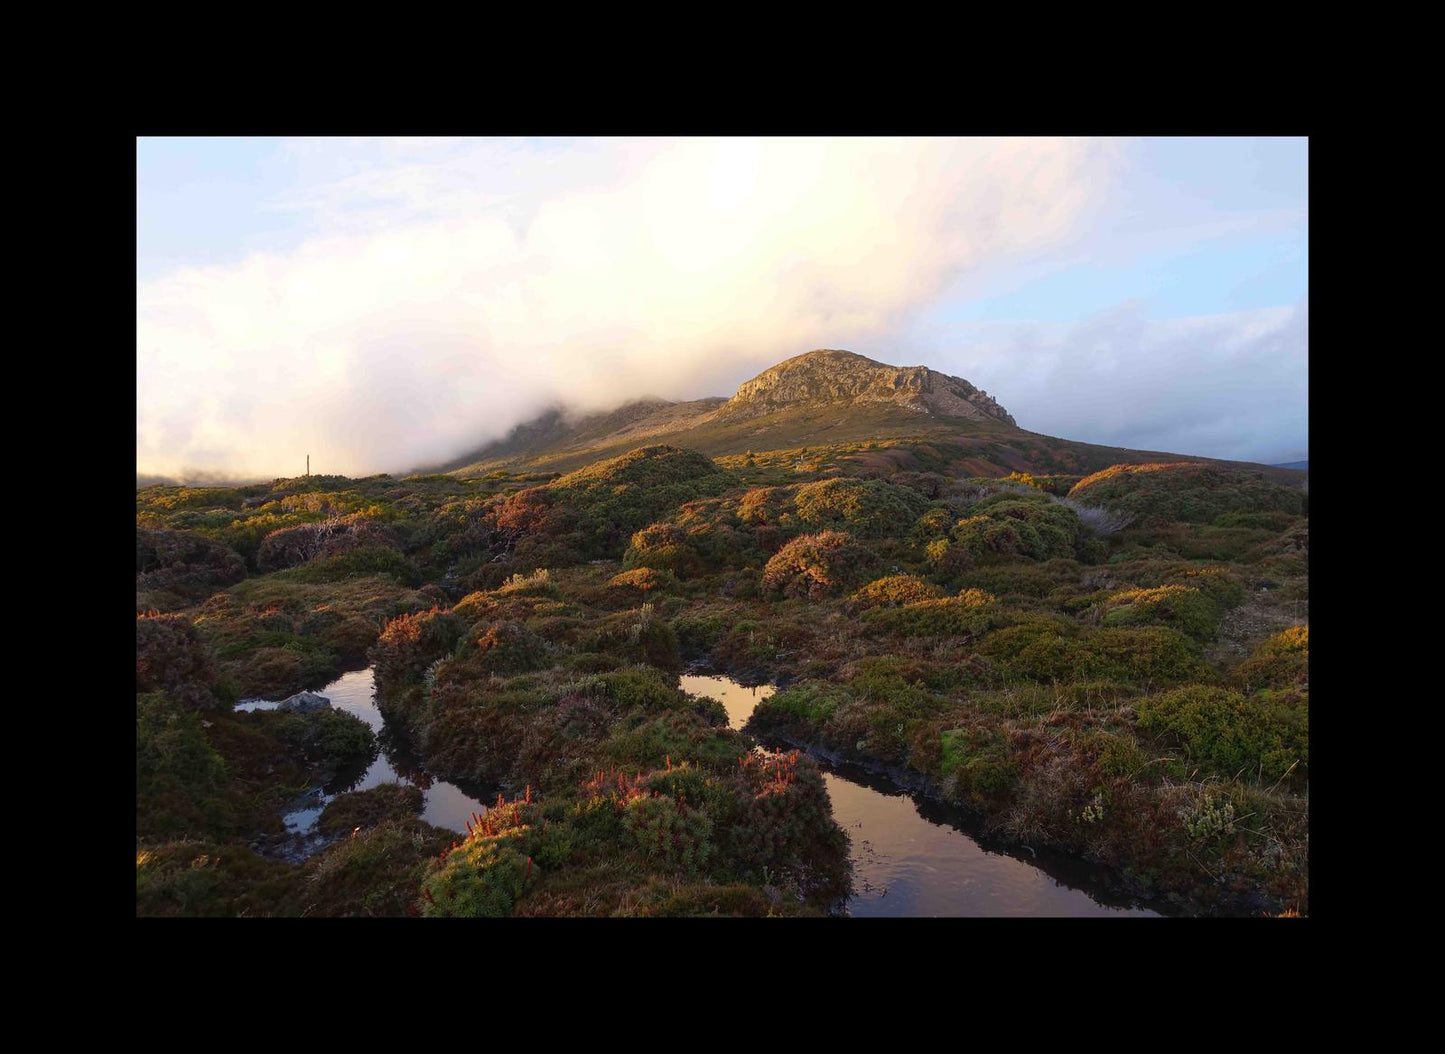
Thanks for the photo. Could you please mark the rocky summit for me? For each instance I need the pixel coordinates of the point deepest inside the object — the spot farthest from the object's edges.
(821, 399)
(843, 377)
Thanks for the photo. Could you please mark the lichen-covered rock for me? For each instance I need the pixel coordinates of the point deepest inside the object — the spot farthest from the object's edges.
(829, 376)
(303, 703)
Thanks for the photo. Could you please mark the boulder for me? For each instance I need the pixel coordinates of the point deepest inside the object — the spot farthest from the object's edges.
(303, 703)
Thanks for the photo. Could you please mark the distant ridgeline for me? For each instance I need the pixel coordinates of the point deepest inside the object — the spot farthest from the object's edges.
(822, 402)
(820, 399)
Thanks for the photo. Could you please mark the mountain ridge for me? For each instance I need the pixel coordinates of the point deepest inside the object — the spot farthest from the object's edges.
(825, 397)
(830, 375)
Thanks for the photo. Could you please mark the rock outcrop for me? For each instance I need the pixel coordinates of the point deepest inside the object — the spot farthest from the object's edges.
(844, 378)
(303, 703)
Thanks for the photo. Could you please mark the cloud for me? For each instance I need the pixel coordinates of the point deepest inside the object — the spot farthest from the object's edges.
(453, 289)
(1231, 386)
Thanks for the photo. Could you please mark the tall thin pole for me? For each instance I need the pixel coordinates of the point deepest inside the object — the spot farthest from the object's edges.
(308, 464)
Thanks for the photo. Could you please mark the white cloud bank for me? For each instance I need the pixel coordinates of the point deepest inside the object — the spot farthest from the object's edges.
(449, 297)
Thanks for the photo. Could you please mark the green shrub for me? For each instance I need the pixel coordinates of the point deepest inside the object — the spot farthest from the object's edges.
(808, 702)
(816, 565)
(361, 562)
(538, 584)
(888, 680)
(485, 876)
(1148, 655)
(1190, 492)
(1269, 521)
(768, 506)
(682, 733)
(1026, 580)
(1195, 541)
(1055, 650)
(181, 779)
(947, 559)
(935, 522)
(1282, 661)
(1014, 527)
(331, 537)
(642, 580)
(411, 643)
(1055, 485)
(866, 508)
(189, 497)
(1115, 754)
(948, 616)
(1186, 609)
(170, 745)
(669, 832)
(1217, 582)
(593, 662)
(702, 632)
(1040, 649)
(1292, 641)
(782, 824)
(171, 657)
(194, 879)
(712, 711)
(597, 818)
(1228, 735)
(388, 801)
(663, 547)
(184, 562)
(638, 637)
(640, 687)
(376, 873)
(512, 648)
(894, 589)
(330, 737)
(618, 497)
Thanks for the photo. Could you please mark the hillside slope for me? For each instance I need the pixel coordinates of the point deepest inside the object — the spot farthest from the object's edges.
(826, 398)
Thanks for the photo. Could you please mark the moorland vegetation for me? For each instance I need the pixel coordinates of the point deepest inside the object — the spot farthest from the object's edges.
(1113, 665)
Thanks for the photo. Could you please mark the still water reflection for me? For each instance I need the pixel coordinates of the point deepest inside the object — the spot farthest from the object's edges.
(912, 857)
(447, 805)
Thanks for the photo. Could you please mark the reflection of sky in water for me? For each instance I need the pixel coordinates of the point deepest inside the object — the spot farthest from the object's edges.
(738, 699)
(932, 869)
(446, 805)
(907, 865)
(904, 864)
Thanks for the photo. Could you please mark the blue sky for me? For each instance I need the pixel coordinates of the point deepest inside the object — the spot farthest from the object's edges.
(1225, 274)
(1149, 293)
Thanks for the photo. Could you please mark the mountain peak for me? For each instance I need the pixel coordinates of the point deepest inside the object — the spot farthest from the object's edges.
(832, 376)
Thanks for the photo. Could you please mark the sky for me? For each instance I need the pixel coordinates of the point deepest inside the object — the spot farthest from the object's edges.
(386, 304)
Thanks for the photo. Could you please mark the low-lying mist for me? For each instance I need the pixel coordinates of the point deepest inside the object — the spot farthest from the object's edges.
(405, 336)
